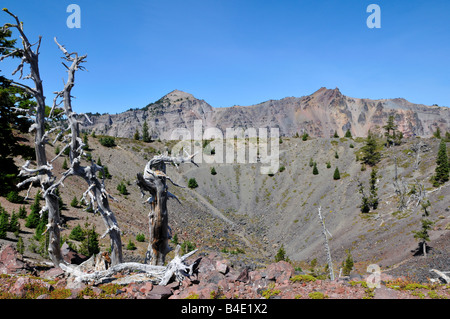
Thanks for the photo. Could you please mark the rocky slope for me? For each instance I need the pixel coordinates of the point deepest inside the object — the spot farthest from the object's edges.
(247, 216)
(319, 114)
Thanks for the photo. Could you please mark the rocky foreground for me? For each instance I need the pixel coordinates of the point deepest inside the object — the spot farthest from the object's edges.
(216, 279)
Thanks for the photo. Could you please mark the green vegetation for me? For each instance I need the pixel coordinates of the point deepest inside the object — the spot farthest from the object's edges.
(281, 255)
(74, 202)
(122, 188)
(317, 295)
(303, 278)
(33, 218)
(347, 264)
(393, 136)
(336, 174)
(442, 170)
(187, 246)
(131, 245)
(422, 234)
(140, 238)
(305, 136)
(371, 155)
(145, 133)
(107, 141)
(192, 183)
(77, 233)
(348, 134)
(315, 170)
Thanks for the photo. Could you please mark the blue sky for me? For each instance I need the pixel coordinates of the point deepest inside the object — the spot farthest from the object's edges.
(241, 52)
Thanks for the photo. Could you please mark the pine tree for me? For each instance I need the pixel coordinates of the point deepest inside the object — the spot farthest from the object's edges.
(20, 246)
(64, 165)
(145, 134)
(422, 234)
(122, 188)
(14, 225)
(347, 265)
(22, 212)
(373, 198)
(390, 127)
(442, 166)
(77, 233)
(4, 224)
(336, 174)
(213, 171)
(192, 183)
(371, 156)
(42, 226)
(315, 170)
(365, 202)
(281, 254)
(90, 244)
(335, 134)
(33, 218)
(348, 134)
(136, 135)
(74, 202)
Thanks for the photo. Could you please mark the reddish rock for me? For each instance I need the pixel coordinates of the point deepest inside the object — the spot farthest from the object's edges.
(222, 266)
(23, 284)
(146, 288)
(159, 292)
(243, 276)
(10, 261)
(280, 271)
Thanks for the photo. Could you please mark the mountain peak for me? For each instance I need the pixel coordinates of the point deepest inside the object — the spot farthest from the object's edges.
(177, 95)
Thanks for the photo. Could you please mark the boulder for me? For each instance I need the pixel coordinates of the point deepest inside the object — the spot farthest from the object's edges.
(279, 272)
(11, 262)
(71, 256)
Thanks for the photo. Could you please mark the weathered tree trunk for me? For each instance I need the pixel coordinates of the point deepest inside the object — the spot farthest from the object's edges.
(154, 181)
(44, 171)
(327, 247)
(96, 189)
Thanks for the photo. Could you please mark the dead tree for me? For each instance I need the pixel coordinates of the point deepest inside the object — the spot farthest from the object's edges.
(400, 188)
(42, 173)
(154, 181)
(327, 247)
(96, 189)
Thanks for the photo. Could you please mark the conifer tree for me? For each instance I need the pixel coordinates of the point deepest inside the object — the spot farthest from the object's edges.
(14, 225)
(20, 246)
(336, 175)
(348, 134)
(22, 212)
(145, 134)
(315, 170)
(373, 198)
(33, 218)
(74, 202)
(42, 226)
(371, 156)
(422, 234)
(442, 166)
(136, 135)
(347, 265)
(4, 224)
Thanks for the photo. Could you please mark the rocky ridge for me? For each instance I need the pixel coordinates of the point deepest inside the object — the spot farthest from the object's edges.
(319, 114)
